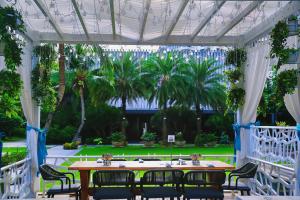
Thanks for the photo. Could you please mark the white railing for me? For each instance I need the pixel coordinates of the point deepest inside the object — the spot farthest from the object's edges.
(13, 180)
(272, 179)
(275, 144)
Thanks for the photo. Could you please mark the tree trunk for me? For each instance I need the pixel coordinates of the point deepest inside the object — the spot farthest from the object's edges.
(199, 118)
(123, 123)
(61, 88)
(77, 134)
(164, 124)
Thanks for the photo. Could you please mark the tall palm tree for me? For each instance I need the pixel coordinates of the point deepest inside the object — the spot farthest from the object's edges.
(205, 86)
(164, 73)
(123, 78)
(81, 62)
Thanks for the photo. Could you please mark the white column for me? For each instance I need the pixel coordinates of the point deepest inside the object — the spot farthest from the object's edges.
(32, 114)
(2, 64)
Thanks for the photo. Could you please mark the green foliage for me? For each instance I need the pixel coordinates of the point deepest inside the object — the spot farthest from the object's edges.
(235, 98)
(98, 140)
(281, 123)
(236, 57)
(118, 137)
(10, 85)
(12, 157)
(279, 36)
(219, 123)
(70, 146)
(202, 139)
(59, 135)
(179, 136)
(178, 119)
(286, 82)
(43, 90)
(11, 22)
(235, 94)
(234, 75)
(10, 88)
(148, 136)
(203, 84)
(165, 79)
(224, 138)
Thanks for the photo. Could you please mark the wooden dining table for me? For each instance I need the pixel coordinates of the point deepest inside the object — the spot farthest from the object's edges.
(85, 167)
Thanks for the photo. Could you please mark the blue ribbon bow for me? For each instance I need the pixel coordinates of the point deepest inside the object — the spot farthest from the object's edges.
(237, 132)
(41, 145)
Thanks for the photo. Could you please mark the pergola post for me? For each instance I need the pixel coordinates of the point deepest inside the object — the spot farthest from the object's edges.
(32, 114)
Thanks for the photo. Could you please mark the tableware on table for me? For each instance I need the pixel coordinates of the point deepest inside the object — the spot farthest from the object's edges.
(107, 159)
(210, 165)
(196, 159)
(99, 160)
(121, 165)
(141, 161)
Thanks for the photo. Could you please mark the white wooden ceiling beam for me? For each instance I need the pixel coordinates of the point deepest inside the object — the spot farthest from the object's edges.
(112, 17)
(144, 19)
(211, 13)
(47, 14)
(75, 5)
(267, 25)
(176, 18)
(239, 18)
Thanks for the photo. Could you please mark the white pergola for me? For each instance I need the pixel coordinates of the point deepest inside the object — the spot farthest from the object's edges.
(157, 22)
(152, 22)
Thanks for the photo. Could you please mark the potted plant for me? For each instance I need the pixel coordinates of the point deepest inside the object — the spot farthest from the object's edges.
(148, 139)
(179, 140)
(118, 139)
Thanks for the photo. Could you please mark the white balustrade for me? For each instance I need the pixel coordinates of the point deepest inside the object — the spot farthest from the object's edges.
(14, 180)
(275, 144)
(272, 179)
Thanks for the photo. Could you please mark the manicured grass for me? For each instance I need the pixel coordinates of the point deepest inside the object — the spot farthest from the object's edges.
(13, 149)
(141, 150)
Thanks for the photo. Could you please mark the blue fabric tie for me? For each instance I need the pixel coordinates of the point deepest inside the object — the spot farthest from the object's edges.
(41, 145)
(237, 135)
(298, 130)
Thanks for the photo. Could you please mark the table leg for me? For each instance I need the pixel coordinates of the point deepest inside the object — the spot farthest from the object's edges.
(84, 180)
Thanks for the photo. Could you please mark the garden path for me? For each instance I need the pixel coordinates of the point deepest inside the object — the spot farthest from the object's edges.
(21, 143)
(58, 150)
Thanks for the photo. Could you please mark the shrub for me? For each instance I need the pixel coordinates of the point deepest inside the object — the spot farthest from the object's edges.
(148, 136)
(71, 145)
(202, 139)
(57, 135)
(118, 137)
(179, 136)
(10, 158)
(281, 123)
(224, 139)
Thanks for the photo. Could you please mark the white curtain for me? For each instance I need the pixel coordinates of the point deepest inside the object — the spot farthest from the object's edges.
(255, 74)
(31, 113)
(292, 103)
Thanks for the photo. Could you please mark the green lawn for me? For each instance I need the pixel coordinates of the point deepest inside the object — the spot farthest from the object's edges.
(13, 149)
(141, 150)
(13, 139)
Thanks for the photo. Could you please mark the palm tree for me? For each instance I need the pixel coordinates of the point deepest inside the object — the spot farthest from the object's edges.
(123, 78)
(80, 62)
(205, 86)
(164, 73)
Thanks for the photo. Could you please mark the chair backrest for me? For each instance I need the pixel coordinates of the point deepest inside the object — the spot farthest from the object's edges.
(48, 173)
(205, 178)
(113, 177)
(147, 159)
(248, 170)
(162, 177)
